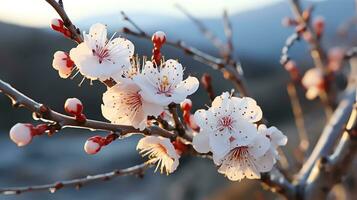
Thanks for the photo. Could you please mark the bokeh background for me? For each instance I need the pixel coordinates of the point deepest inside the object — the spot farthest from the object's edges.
(27, 45)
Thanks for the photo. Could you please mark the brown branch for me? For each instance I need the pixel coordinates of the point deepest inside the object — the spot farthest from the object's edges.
(317, 53)
(331, 169)
(228, 31)
(78, 183)
(277, 183)
(62, 121)
(178, 124)
(298, 117)
(330, 134)
(206, 81)
(290, 41)
(229, 70)
(76, 34)
(204, 30)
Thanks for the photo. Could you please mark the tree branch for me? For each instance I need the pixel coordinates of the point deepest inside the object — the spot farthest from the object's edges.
(76, 35)
(78, 183)
(331, 169)
(231, 69)
(62, 121)
(330, 134)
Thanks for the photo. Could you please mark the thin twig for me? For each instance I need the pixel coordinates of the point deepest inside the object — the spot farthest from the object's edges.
(204, 30)
(228, 30)
(206, 81)
(78, 183)
(317, 54)
(126, 18)
(178, 124)
(298, 117)
(290, 41)
(229, 71)
(62, 121)
(76, 34)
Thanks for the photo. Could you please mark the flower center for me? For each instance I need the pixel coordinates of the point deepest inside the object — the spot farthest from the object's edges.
(239, 153)
(101, 53)
(164, 86)
(133, 101)
(225, 122)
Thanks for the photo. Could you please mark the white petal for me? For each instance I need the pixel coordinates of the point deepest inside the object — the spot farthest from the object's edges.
(248, 108)
(244, 133)
(277, 137)
(185, 88)
(219, 144)
(204, 119)
(200, 142)
(266, 162)
(152, 109)
(259, 146)
(98, 33)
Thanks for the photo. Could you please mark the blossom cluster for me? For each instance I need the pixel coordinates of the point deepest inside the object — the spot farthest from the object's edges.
(239, 146)
(142, 91)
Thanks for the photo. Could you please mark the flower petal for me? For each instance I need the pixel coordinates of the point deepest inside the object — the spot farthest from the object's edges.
(200, 142)
(248, 108)
(259, 146)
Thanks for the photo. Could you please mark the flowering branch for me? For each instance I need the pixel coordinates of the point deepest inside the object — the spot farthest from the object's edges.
(76, 34)
(317, 53)
(205, 31)
(230, 69)
(77, 183)
(62, 121)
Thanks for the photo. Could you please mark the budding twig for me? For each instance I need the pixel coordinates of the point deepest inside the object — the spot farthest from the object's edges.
(178, 124)
(62, 121)
(78, 183)
(204, 30)
(231, 69)
(206, 81)
(316, 51)
(76, 35)
(298, 117)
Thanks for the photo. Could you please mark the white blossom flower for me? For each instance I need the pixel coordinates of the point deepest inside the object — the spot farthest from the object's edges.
(313, 81)
(246, 161)
(123, 104)
(161, 151)
(277, 138)
(100, 58)
(229, 118)
(63, 64)
(164, 84)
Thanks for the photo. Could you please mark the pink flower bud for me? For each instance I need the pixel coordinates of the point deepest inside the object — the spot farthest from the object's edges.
(287, 21)
(57, 24)
(319, 25)
(63, 64)
(21, 134)
(186, 105)
(159, 38)
(73, 106)
(335, 57)
(92, 146)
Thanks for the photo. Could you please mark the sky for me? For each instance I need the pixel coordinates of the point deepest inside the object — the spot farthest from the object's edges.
(37, 13)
